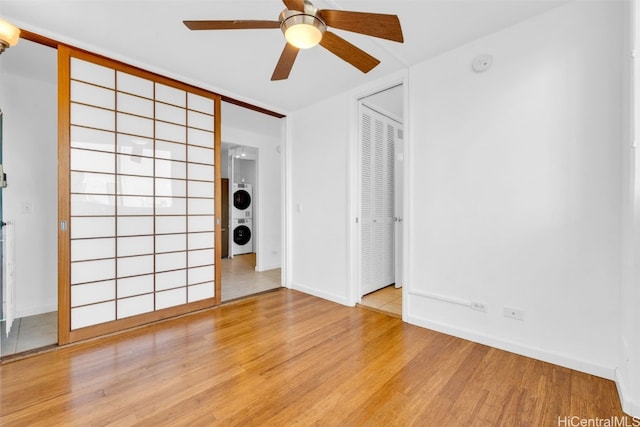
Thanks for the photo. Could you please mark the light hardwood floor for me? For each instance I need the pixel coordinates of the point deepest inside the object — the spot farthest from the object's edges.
(286, 358)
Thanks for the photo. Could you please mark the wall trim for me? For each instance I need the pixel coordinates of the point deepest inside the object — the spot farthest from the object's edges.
(340, 299)
(35, 310)
(628, 405)
(607, 372)
(260, 268)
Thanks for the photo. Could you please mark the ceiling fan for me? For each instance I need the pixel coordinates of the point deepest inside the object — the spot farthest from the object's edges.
(305, 26)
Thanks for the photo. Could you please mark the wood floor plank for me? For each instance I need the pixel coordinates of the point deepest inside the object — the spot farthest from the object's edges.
(286, 358)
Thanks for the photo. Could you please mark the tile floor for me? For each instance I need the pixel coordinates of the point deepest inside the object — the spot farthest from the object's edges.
(29, 333)
(239, 277)
(387, 300)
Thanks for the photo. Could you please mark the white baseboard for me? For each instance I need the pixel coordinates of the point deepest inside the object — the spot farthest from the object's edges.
(628, 405)
(518, 348)
(32, 311)
(267, 267)
(340, 299)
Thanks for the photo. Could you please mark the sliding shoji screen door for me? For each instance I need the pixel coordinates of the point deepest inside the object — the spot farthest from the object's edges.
(139, 240)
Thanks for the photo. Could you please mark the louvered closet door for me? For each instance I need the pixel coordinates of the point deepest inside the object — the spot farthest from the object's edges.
(376, 201)
(139, 154)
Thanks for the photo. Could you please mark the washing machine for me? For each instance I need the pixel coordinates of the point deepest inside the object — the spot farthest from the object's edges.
(242, 230)
(242, 201)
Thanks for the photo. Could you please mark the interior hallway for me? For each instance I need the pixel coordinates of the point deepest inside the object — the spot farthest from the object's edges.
(29, 333)
(239, 277)
(387, 300)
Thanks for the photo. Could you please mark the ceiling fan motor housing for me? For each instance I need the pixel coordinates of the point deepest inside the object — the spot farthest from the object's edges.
(301, 29)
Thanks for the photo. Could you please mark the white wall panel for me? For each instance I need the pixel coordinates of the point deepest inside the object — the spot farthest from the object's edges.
(171, 298)
(170, 151)
(200, 103)
(92, 293)
(92, 73)
(201, 257)
(137, 285)
(128, 226)
(92, 161)
(172, 114)
(92, 204)
(171, 95)
(134, 105)
(171, 187)
(134, 266)
(201, 207)
(171, 206)
(82, 228)
(200, 240)
(200, 137)
(134, 165)
(92, 139)
(170, 132)
(94, 183)
(201, 291)
(93, 117)
(135, 125)
(134, 85)
(135, 205)
(201, 155)
(171, 224)
(170, 169)
(201, 223)
(92, 271)
(171, 261)
(171, 279)
(200, 189)
(135, 185)
(200, 172)
(200, 121)
(93, 314)
(136, 145)
(171, 243)
(82, 250)
(128, 307)
(201, 274)
(139, 245)
(93, 95)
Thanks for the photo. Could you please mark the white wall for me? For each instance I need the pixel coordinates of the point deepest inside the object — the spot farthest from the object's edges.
(319, 199)
(30, 161)
(516, 197)
(514, 189)
(252, 129)
(628, 372)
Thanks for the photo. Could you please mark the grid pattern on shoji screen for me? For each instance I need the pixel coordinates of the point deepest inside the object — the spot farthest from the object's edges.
(142, 195)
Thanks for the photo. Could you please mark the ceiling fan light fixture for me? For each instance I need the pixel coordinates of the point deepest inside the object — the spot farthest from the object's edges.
(9, 35)
(303, 31)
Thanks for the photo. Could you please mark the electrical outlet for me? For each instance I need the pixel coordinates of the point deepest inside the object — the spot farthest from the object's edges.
(514, 313)
(479, 306)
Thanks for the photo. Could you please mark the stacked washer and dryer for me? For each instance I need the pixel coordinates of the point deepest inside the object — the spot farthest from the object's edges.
(242, 219)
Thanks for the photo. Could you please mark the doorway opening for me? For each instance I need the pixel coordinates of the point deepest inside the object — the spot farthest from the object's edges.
(28, 90)
(251, 205)
(380, 189)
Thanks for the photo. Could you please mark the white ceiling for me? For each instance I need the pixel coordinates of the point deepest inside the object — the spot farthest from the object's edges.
(239, 63)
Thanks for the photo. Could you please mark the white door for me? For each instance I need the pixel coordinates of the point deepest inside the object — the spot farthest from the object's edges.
(377, 165)
(398, 201)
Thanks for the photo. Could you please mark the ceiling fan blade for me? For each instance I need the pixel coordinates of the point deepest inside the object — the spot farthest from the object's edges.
(285, 63)
(348, 52)
(238, 24)
(372, 24)
(294, 4)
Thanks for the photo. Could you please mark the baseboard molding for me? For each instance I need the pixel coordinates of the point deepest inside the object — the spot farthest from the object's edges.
(320, 294)
(32, 311)
(267, 267)
(628, 405)
(517, 348)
